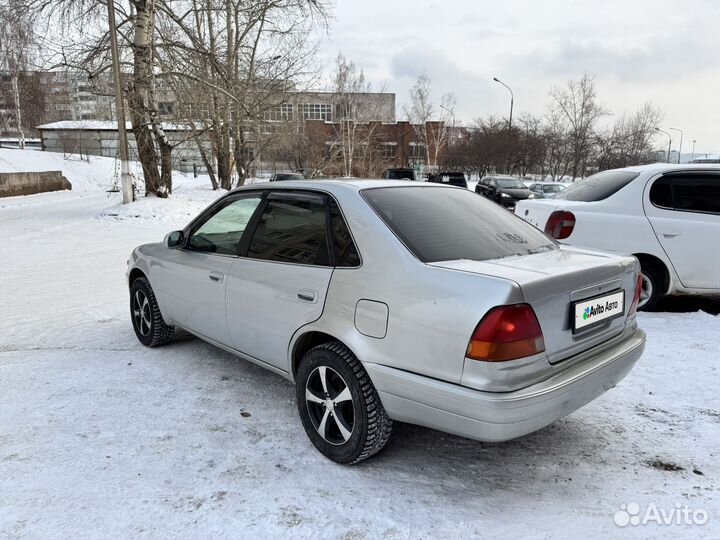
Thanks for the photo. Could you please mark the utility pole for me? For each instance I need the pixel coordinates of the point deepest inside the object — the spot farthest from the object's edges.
(693, 152)
(512, 99)
(669, 143)
(128, 194)
(681, 139)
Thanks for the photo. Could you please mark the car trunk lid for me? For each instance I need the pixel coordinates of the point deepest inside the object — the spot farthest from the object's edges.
(537, 211)
(553, 282)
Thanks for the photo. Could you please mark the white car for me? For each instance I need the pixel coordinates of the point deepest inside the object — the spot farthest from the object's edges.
(668, 216)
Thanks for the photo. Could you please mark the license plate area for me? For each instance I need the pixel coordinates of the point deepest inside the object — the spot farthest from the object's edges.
(597, 311)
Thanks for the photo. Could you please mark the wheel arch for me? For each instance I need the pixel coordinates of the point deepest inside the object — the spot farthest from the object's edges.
(134, 274)
(651, 260)
(306, 340)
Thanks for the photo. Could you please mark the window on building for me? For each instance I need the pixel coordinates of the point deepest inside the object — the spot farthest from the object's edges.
(417, 151)
(345, 110)
(389, 150)
(280, 113)
(166, 108)
(317, 111)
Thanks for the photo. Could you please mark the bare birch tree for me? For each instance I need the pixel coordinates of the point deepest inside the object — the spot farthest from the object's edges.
(422, 111)
(233, 62)
(577, 104)
(17, 45)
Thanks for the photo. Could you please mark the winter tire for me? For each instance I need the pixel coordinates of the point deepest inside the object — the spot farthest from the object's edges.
(651, 288)
(148, 323)
(339, 406)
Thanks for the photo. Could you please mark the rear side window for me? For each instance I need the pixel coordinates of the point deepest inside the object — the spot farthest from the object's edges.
(292, 229)
(446, 224)
(690, 193)
(597, 187)
(346, 254)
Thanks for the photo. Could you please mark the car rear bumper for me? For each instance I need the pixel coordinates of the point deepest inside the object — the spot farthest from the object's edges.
(500, 416)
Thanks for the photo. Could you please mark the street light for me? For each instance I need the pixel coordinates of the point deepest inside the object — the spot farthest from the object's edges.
(693, 153)
(681, 138)
(452, 113)
(669, 143)
(512, 99)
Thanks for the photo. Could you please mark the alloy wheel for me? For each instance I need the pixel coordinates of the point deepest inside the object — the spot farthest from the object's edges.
(141, 313)
(330, 405)
(646, 291)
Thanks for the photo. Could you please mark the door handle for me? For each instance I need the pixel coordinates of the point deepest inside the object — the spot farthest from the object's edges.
(307, 295)
(670, 234)
(216, 276)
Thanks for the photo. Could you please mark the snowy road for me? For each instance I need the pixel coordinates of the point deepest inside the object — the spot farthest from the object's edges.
(102, 438)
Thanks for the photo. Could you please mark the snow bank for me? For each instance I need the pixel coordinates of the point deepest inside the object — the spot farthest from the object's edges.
(91, 174)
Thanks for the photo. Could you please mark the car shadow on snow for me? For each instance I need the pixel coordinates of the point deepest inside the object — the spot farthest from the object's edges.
(688, 304)
(554, 450)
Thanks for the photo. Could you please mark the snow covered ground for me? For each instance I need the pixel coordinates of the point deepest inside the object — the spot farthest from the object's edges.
(102, 438)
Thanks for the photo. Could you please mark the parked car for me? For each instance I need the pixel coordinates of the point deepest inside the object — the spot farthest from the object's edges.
(277, 177)
(545, 190)
(394, 300)
(668, 216)
(504, 190)
(399, 173)
(451, 178)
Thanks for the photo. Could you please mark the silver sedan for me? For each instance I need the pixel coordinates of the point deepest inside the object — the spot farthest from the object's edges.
(388, 300)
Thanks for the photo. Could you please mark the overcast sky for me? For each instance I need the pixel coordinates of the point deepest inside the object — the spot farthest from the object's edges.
(663, 51)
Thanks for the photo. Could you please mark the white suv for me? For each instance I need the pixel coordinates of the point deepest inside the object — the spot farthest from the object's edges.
(668, 216)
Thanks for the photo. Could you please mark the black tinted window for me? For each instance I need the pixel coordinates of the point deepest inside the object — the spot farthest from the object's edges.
(442, 224)
(292, 228)
(510, 183)
(346, 253)
(598, 186)
(400, 175)
(661, 193)
(693, 193)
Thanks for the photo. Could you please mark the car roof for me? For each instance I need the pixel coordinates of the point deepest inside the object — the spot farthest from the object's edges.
(339, 185)
(670, 167)
(548, 182)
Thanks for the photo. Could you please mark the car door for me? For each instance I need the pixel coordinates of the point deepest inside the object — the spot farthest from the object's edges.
(280, 281)
(191, 280)
(684, 211)
(483, 187)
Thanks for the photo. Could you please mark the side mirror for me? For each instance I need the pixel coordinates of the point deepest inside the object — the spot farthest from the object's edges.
(174, 239)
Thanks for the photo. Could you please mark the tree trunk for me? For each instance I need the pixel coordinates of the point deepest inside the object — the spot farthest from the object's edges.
(18, 111)
(140, 101)
(208, 165)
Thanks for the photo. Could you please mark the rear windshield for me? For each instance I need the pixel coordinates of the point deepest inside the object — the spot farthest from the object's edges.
(598, 186)
(447, 224)
(510, 183)
(401, 175)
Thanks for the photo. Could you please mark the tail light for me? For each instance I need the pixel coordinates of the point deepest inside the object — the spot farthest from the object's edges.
(506, 333)
(636, 298)
(560, 224)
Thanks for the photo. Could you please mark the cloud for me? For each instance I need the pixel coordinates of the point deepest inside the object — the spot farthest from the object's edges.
(474, 91)
(658, 57)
